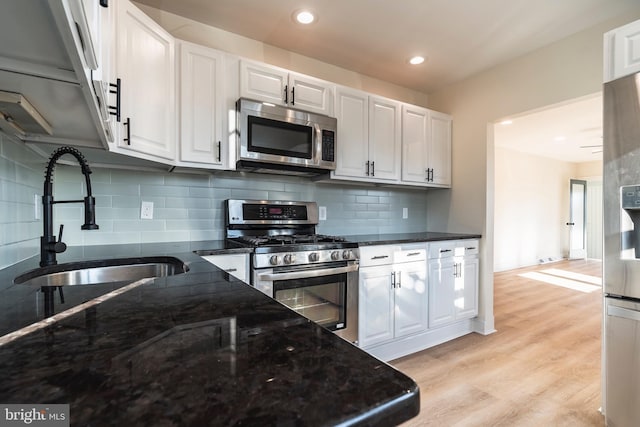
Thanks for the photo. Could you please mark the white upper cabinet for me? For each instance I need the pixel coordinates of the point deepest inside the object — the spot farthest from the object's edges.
(145, 65)
(202, 112)
(368, 138)
(262, 82)
(622, 51)
(439, 155)
(426, 147)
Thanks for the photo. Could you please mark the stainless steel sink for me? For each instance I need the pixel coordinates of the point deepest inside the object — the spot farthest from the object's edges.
(102, 271)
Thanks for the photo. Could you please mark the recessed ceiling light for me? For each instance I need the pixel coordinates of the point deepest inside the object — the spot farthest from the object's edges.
(416, 60)
(304, 17)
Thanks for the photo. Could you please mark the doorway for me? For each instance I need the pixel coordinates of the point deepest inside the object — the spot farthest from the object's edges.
(577, 219)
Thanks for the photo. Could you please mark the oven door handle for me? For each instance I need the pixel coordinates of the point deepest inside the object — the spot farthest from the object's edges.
(307, 273)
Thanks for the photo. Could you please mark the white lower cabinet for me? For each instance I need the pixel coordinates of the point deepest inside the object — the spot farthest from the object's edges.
(236, 265)
(415, 296)
(393, 296)
(453, 281)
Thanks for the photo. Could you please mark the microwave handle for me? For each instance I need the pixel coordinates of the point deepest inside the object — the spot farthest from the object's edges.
(307, 273)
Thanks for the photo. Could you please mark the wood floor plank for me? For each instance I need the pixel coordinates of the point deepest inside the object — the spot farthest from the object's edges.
(541, 367)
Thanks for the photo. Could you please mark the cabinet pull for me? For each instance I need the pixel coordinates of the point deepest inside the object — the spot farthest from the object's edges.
(115, 111)
(127, 124)
(367, 167)
(293, 95)
(286, 94)
(104, 3)
(426, 171)
(393, 279)
(373, 168)
(219, 151)
(231, 270)
(471, 248)
(444, 250)
(399, 279)
(413, 253)
(380, 257)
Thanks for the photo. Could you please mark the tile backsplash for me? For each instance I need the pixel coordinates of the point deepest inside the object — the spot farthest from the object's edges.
(185, 206)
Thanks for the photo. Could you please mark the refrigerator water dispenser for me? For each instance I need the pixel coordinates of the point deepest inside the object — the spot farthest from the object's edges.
(630, 221)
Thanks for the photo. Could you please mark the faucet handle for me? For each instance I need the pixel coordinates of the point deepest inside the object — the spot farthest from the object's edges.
(60, 246)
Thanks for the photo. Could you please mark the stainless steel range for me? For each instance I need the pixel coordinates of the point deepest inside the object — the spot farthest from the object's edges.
(313, 274)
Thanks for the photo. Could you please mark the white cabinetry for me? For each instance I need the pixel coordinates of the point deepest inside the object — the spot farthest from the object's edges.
(392, 293)
(272, 84)
(426, 147)
(202, 109)
(236, 265)
(145, 64)
(368, 137)
(622, 51)
(453, 281)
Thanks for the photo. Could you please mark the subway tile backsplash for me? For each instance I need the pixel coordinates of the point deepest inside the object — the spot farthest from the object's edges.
(186, 206)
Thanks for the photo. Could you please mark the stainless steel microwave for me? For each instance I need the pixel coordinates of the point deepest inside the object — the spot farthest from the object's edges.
(273, 138)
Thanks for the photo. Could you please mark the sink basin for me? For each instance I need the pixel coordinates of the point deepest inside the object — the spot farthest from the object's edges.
(102, 271)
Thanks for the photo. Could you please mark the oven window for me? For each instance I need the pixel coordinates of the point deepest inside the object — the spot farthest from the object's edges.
(321, 299)
(280, 138)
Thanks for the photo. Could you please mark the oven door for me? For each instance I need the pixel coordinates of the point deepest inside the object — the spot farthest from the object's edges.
(325, 293)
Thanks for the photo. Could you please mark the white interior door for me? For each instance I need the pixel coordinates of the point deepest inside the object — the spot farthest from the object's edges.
(577, 211)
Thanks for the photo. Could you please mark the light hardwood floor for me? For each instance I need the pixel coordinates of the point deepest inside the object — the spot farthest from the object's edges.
(541, 367)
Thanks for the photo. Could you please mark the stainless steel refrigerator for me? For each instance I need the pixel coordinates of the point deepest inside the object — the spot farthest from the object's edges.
(621, 186)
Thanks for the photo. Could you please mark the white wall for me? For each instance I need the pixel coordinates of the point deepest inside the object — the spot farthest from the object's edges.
(531, 208)
(568, 69)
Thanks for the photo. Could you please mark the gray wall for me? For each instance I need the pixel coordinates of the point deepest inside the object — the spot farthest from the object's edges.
(187, 207)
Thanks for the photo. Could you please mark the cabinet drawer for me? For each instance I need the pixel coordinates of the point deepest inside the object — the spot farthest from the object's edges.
(418, 254)
(377, 255)
(441, 250)
(470, 247)
(234, 264)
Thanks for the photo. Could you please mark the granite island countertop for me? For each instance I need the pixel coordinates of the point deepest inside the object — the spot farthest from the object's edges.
(200, 348)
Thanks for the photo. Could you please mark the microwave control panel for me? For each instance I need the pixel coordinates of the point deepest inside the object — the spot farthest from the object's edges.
(328, 145)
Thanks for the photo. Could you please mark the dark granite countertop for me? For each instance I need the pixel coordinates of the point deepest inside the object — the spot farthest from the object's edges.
(392, 238)
(200, 348)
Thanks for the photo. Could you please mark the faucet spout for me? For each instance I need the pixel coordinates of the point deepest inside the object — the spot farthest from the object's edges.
(49, 245)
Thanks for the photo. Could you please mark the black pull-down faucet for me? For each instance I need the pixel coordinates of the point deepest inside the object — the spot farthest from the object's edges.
(49, 245)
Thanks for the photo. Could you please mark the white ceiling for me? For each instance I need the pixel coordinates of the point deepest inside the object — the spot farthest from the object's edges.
(459, 38)
(570, 132)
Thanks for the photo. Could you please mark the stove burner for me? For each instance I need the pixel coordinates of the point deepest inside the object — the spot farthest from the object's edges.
(289, 239)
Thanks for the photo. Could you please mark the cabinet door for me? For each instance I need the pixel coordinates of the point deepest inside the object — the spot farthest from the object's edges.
(263, 83)
(201, 105)
(441, 292)
(411, 298)
(415, 139)
(236, 265)
(310, 94)
(439, 156)
(375, 306)
(622, 51)
(353, 133)
(146, 67)
(384, 139)
(466, 300)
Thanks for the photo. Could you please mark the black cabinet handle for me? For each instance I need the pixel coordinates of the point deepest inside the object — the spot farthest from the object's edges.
(571, 223)
(367, 167)
(104, 3)
(286, 94)
(115, 111)
(373, 168)
(293, 95)
(219, 151)
(380, 257)
(127, 124)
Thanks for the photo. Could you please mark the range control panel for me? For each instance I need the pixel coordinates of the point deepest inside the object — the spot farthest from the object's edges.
(266, 212)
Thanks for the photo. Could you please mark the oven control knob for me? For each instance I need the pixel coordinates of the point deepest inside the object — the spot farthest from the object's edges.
(289, 259)
(335, 255)
(313, 256)
(274, 260)
(348, 254)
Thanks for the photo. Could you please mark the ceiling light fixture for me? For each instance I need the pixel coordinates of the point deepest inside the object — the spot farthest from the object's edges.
(305, 17)
(506, 122)
(416, 60)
